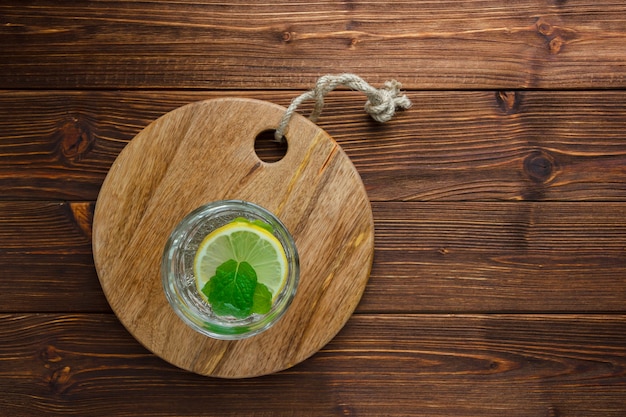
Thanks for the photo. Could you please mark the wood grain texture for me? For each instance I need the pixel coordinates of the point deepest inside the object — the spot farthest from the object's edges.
(502, 190)
(429, 257)
(45, 258)
(502, 257)
(410, 365)
(202, 153)
(450, 146)
(433, 45)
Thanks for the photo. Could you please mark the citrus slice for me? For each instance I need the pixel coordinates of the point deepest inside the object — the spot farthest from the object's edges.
(243, 241)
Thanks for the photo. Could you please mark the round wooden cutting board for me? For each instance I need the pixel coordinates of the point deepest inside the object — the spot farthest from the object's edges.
(204, 152)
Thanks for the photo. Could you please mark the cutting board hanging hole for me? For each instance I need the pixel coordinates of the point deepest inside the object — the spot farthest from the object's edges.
(269, 150)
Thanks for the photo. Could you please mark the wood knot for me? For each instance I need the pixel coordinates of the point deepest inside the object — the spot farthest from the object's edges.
(288, 36)
(60, 379)
(555, 45)
(552, 412)
(540, 167)
(49, 354)
(544, 27)
(508, 101)
(556, 36)
(74, 138)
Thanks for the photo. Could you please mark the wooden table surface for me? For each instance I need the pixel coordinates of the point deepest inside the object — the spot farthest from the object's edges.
(499, 199)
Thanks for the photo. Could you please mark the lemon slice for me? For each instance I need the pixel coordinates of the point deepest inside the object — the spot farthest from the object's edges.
(242, 241)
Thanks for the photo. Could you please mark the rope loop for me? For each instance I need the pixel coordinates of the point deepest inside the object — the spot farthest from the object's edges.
(381, 103)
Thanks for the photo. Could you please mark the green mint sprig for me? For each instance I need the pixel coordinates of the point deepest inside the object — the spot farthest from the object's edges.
(235, 291)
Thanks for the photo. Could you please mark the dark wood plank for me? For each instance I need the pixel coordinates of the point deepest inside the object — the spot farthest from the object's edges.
(490, 257)
(499, 200)
(397, 365)
(429, 257)
(450, 146)
(45, 258)
(53, 228)
(244, 44)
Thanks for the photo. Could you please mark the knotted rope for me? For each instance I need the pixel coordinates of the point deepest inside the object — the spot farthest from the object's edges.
(381, 103)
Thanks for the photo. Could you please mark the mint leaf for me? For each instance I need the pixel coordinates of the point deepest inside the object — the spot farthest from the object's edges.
(262, 299)
(231, 290)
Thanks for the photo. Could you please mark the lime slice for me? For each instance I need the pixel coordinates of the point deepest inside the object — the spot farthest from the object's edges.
(242, 240)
